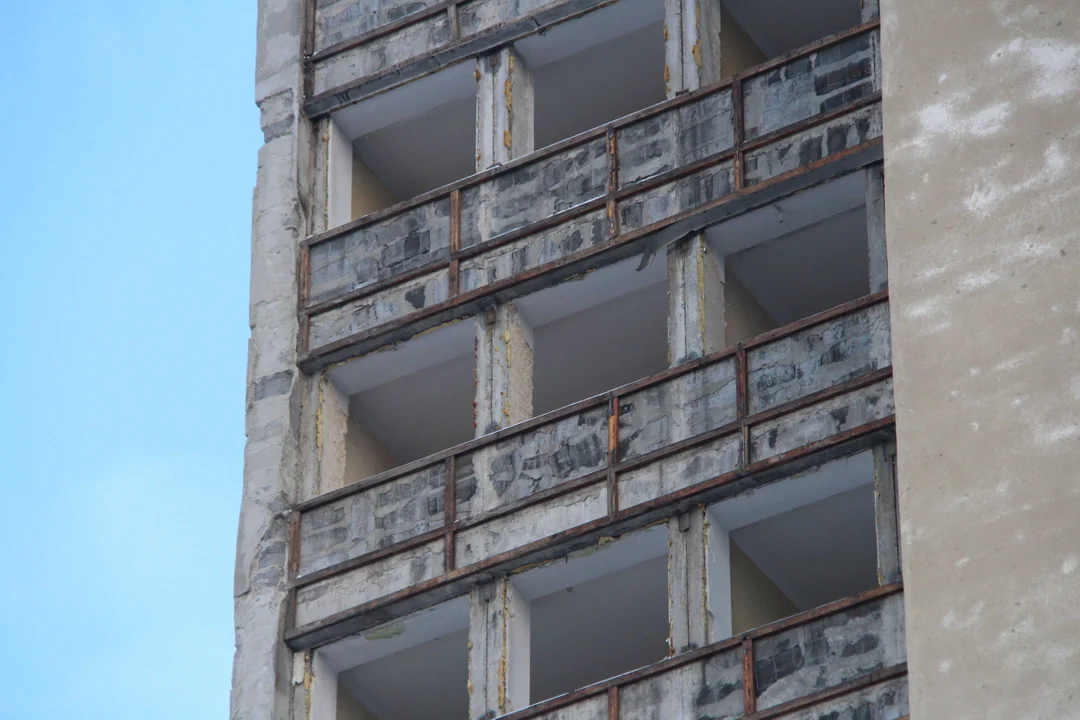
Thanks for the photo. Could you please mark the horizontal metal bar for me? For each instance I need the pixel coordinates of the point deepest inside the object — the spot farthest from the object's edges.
(851, 686)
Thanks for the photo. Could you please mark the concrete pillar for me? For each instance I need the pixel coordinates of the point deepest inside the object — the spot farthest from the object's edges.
(504, 370)
(875, 228)
(695, 300)
(339, 176)
(691, 45)
(499, 650)
(504, 342)
(699, 581)
(885, 514)
(504, 108)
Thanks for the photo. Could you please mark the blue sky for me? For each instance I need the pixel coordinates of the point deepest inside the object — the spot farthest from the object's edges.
(129, 136)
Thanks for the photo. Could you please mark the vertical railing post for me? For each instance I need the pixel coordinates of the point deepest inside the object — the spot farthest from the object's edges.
(749, 693)
(738, 130)
(455, 242)
(450, 514)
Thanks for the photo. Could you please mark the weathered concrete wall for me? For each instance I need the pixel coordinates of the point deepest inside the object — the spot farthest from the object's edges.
(821, 421)
(803, 148)
(534, 192)
(706, 690)
(737, 50)
(679, 471)
(815, 84)
(592, 709)
(677, 409)
(674, 197)
(378, 579)
(531, 462)
(339, 20)
(886, 701)
(382, 53)
(368, 192)
(587, 231)
(262, 666)
(380, 251)
(679, 136)
(829, 651)
(530, 524)
(744, 317)
(983, 206)
(373, 519)
(378, 308)
(819, 357)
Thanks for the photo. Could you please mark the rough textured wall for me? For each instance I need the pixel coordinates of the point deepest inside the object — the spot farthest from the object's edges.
(262, 666)
(983, 205)
(712, 688)
(381, 251)
(829, 651)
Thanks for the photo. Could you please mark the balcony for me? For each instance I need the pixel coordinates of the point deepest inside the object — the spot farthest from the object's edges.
(715, 426)
(593, 199)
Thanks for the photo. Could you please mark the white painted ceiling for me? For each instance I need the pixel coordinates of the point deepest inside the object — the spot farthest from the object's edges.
(778, 26)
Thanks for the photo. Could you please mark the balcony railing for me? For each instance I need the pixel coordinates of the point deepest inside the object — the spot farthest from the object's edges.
(614, 458)
(359, 47)
(843, 660)
(592, 199)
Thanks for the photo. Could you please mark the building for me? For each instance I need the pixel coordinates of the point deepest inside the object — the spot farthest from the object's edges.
(582, 384)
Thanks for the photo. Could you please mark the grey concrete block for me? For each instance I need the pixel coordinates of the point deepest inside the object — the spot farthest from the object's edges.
(819, 358)
(381, 251)
(373, 519)
(534, 461)
(801, 149)
(505, 262)
(531, 524)
(669, 199)
(679, 471)
(340, 20)
(382, 53)
(821, 421)
(711, 689)
(887, 701)
(377, 309)
(829, 651)
(811, 85)
(594, 708)
(677, 409)
(370, 582)
(676, 137)
(533, 192)
(476, 16)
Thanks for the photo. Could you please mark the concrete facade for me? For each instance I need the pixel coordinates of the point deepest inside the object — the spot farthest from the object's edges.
(980, 109)
(773, 522)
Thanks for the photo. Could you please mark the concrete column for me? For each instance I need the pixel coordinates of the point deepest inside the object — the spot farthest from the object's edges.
(262, 683)
(504, 370)
(885, 514)
(691, 45)
(699, 582)
(339, 176)
(875, 228)
(695, 300)
(504, 108)
(499, 650)
(504, 342)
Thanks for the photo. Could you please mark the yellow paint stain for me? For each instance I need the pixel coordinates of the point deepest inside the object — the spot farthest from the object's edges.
(665, 32)
(696, 50)
(477, 73)
(319, 421)
(667, 74)
(505, 646)
(506, 139)
(309, 675)
(701, 293)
